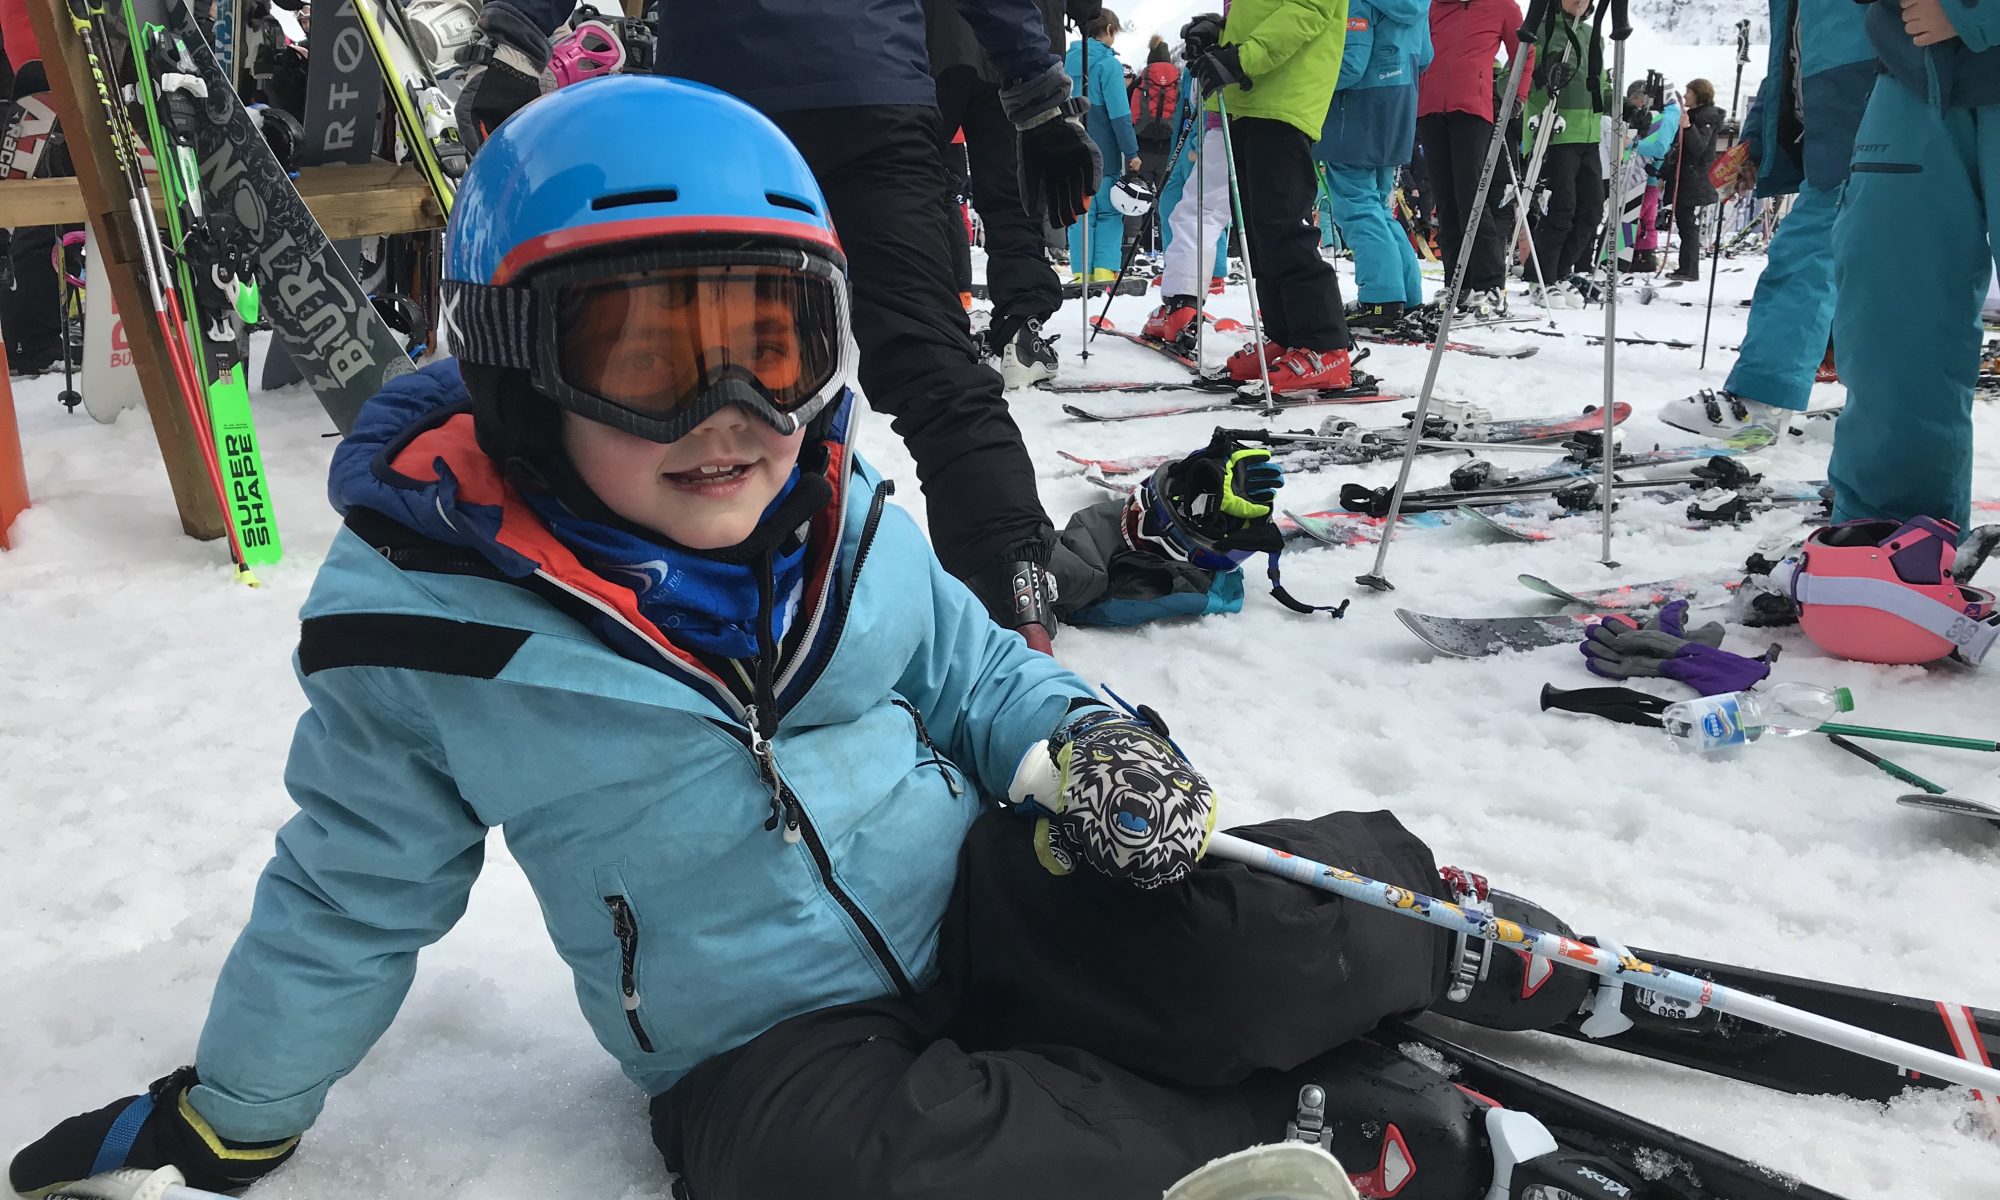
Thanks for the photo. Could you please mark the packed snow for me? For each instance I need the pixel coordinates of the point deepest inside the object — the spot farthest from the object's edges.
(146, 702)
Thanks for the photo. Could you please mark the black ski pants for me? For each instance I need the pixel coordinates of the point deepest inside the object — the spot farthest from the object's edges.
(1687, 226)
(879, 168)
(1019, 280)
(1566, 236)
(1087, 1041)
(1455, 145)
(1297, 290)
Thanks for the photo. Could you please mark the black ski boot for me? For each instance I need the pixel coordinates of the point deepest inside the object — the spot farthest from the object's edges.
(1386, 315)
(1500, 987)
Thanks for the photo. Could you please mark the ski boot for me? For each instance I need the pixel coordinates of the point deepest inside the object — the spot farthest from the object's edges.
(1311, 371)
(1020, 596)
(1384, 315)
(1243, 367)
(1483, 305)
(1720, 413)
(1025, 356)
(1279, 1171)
(1172, 323)
(1500, 987)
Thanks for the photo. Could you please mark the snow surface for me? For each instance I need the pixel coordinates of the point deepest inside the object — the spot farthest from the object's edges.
(146, 702)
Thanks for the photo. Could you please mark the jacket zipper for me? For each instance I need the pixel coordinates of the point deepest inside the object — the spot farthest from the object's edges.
(763, 716)
(626, 927)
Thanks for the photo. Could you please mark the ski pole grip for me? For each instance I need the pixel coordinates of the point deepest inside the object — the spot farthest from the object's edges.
(1621, 20)
(1531, 28)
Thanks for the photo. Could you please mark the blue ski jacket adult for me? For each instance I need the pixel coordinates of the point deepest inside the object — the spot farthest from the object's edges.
(1110, 117)
(1817, 79)
(785, 55)
(1372, 121)
(458, 685)
(1962, 73)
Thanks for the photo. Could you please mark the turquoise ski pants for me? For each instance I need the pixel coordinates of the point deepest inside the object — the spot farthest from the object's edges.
(1913, 251)
(1385, 264)
(1792, 309)
(1107, 231)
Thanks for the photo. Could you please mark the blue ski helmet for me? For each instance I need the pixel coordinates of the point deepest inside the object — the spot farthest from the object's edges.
(642, 202)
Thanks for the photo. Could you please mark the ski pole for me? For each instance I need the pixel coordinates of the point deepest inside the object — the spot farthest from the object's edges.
(1911, 736)
(1621, 28)
(1448, 306)
(1083, 270)
(1249, 268)
(1609, 963)
(1521, 199)
(1152, 221)
(1884, 765)
(1201, 236)
(1715, 253)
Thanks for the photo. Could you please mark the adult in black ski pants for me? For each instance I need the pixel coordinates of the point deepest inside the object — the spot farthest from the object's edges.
(1059, 1057)
(1298, 292)
(1455, 145)
(851, 86)
(1566, 236)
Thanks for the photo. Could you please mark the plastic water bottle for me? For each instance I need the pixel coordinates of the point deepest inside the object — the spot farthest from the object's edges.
(1716, 723)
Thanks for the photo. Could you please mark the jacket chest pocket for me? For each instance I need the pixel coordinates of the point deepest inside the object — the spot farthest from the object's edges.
(624, 922)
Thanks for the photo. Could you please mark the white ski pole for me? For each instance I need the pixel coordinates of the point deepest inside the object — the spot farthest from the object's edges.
(1083, 269)
(1449, 304)
(1249, 270)
(1608, 962)
(1621, 28)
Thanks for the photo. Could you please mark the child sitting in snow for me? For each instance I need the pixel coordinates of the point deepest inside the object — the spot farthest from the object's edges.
(615, 582)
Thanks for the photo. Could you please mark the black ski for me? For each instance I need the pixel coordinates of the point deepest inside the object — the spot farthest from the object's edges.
(1706, 1040)
(1646, 1161)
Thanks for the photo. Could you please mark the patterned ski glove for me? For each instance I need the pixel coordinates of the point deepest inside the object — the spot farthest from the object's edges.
(157, 1129)
(1618, 648)
(1118, 798)
(506, 69)
(1212, 508)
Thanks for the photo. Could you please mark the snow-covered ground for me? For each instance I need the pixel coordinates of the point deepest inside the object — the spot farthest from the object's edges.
(146, 703)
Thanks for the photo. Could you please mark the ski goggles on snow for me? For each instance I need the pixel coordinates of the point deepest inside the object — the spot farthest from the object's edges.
(659, 343)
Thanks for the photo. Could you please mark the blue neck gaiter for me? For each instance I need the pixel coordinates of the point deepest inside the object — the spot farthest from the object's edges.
(698, 601)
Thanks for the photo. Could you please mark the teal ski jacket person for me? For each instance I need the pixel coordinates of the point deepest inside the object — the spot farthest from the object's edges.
(1109, 121)
(1369, 133)
(1907, 331)
(1800, 133)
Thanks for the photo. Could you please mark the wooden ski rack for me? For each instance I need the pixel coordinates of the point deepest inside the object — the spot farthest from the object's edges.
(349, 201)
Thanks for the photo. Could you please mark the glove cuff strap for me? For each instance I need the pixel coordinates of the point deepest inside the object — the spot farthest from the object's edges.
(1038, 98)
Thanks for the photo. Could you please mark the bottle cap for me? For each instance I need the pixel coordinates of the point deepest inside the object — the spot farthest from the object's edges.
(1843, 700)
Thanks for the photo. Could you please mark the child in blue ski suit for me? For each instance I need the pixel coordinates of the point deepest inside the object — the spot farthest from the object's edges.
(1370, 132)
(615, 582)
(1912, 249)
(1801, 136)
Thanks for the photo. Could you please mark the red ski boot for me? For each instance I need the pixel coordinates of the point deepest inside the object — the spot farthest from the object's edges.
(1242, 365)
(1310, 371)
(1172, 322)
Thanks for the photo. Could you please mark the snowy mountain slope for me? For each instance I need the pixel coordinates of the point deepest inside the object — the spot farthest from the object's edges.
(146, 703)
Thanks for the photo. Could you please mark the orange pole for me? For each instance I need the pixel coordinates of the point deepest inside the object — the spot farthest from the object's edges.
(13, 470)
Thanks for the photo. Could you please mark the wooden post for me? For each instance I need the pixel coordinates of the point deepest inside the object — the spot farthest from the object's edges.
(13, 469)
(85, 124)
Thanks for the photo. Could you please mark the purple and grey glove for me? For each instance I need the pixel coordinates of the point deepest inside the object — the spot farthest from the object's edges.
(1619, 648)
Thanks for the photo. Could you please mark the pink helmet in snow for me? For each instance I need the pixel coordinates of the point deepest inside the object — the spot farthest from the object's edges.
(1882, 592)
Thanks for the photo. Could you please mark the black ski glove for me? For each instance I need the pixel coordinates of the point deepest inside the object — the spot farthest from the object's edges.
(1118, 798)
(157, 1129)
(1060, 165)
(1220, 68)
(506, 68)
(1201, 34)
(1082, 12)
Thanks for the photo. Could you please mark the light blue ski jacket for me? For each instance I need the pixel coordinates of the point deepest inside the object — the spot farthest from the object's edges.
(1372, 121)
(459, 692)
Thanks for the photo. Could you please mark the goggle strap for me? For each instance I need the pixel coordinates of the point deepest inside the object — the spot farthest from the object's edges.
(493, 326)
